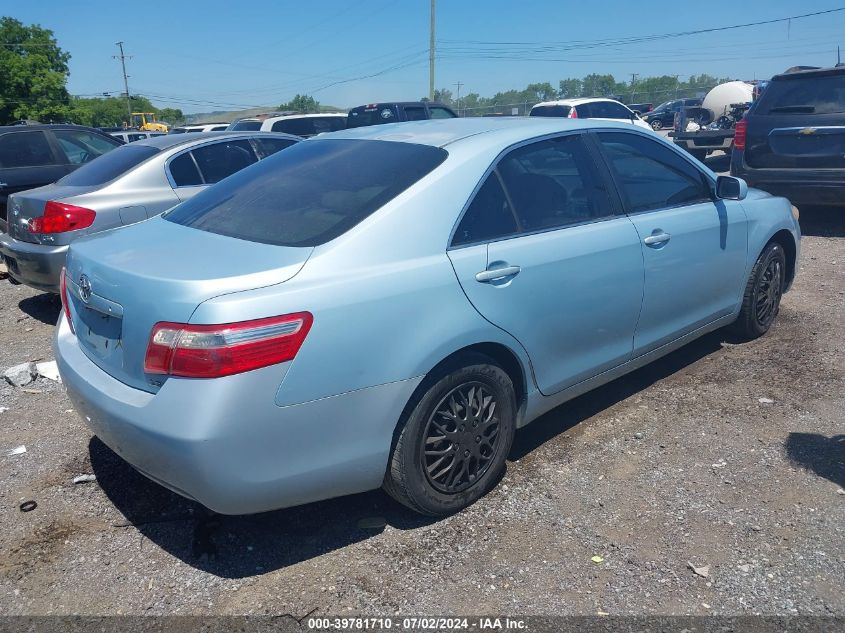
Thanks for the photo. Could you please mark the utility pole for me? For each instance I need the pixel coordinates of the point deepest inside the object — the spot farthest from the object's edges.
(633, 81)
(431, 56)
(458, 95)
(122, 59)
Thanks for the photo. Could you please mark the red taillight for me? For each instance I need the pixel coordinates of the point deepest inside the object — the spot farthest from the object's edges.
(740, 134)
(573, 113)
(65, 302)
(211, 351)
(60, 218)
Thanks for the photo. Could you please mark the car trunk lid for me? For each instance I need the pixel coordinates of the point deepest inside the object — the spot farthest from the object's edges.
(781, 142)
(122, 282)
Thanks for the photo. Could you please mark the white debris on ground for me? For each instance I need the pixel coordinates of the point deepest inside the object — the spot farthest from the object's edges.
(18, 450)
(48, 370)
(84, 479)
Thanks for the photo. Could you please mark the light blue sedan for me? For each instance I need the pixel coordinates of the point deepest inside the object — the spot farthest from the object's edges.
(385, 306)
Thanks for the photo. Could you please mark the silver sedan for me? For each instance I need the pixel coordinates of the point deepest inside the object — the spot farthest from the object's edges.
(130, 184)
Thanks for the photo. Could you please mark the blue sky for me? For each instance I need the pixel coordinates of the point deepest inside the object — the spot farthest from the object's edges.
(224, 55)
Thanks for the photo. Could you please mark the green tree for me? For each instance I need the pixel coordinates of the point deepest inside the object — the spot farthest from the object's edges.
(570, 88)
(540, 92)
(596, 85)
(301, 103)
(171, 115)
(33, 74)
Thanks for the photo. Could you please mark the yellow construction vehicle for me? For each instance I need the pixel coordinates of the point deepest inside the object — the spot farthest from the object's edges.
(146, 122)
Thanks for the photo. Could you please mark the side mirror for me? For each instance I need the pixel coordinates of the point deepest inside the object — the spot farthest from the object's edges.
(730, 188)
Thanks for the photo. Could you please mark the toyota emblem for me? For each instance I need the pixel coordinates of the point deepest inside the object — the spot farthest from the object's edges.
(84, 288)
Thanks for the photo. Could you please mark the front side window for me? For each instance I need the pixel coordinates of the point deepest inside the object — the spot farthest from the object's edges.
(269, 146)
(310, 193)
(245, 126)
(437, 112)
(25, 149)
(652, 176)
(615, 111)
(553, 184)
(220, 160)
(81, 147)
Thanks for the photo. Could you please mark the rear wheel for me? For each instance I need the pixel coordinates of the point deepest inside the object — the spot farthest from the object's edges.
(656, 125)
(453, 443)
(763, 292)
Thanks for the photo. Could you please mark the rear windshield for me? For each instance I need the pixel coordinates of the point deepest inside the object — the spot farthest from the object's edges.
(310, 193)
(819, 94)
(375, 115)
(109, 166)
(245, 126)
(550, 110)
(310, 126)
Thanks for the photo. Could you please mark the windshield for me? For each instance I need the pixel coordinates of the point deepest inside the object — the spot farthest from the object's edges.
(815, 94)
(109, 166)
(310, 193)
(550, 110)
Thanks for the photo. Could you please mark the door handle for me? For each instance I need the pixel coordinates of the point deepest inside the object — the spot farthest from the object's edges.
(657, 239)
(497, 273)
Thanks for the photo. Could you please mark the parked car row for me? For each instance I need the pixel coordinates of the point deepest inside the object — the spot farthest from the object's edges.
(272, 321)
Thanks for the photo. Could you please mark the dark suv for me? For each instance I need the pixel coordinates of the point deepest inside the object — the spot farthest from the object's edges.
(664, 114)
(36, 155)
(378, 113)
(791, 142)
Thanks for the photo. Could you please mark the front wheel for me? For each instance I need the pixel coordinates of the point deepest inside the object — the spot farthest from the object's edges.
(763, 292)
(453, 443)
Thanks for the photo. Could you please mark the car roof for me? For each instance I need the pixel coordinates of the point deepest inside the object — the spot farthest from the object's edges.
(486, 131)
(576, 102)
(167, 141)
(813, 72)
(378, 104)
(49, 126)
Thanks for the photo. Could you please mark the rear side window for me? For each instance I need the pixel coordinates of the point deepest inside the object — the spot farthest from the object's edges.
(184, 172)
(108, 167)
(488, 217)
(804, 95)
(220, 160)
(245, 126)
(310, 193)
(269, 146)
(652, 176)
(608, 110)
(551, 111)
(310, 126)
(553, 184)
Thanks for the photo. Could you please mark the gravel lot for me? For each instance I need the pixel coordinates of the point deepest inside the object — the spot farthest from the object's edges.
(726, 456)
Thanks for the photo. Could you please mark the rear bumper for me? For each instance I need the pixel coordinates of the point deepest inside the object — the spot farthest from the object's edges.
(799, 186)
(35, 265)
(705, 143)
(226, 444)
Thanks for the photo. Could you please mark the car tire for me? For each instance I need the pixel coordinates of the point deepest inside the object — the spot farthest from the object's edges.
(763, 292)
(656, 125)
(447, 455)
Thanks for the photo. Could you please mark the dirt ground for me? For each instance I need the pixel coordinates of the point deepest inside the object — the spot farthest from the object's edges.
(727, 457)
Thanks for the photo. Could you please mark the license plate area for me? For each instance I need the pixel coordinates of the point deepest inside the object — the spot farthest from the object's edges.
(100, 334)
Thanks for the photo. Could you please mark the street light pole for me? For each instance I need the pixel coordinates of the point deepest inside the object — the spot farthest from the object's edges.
(431, 55)
(122, 59)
